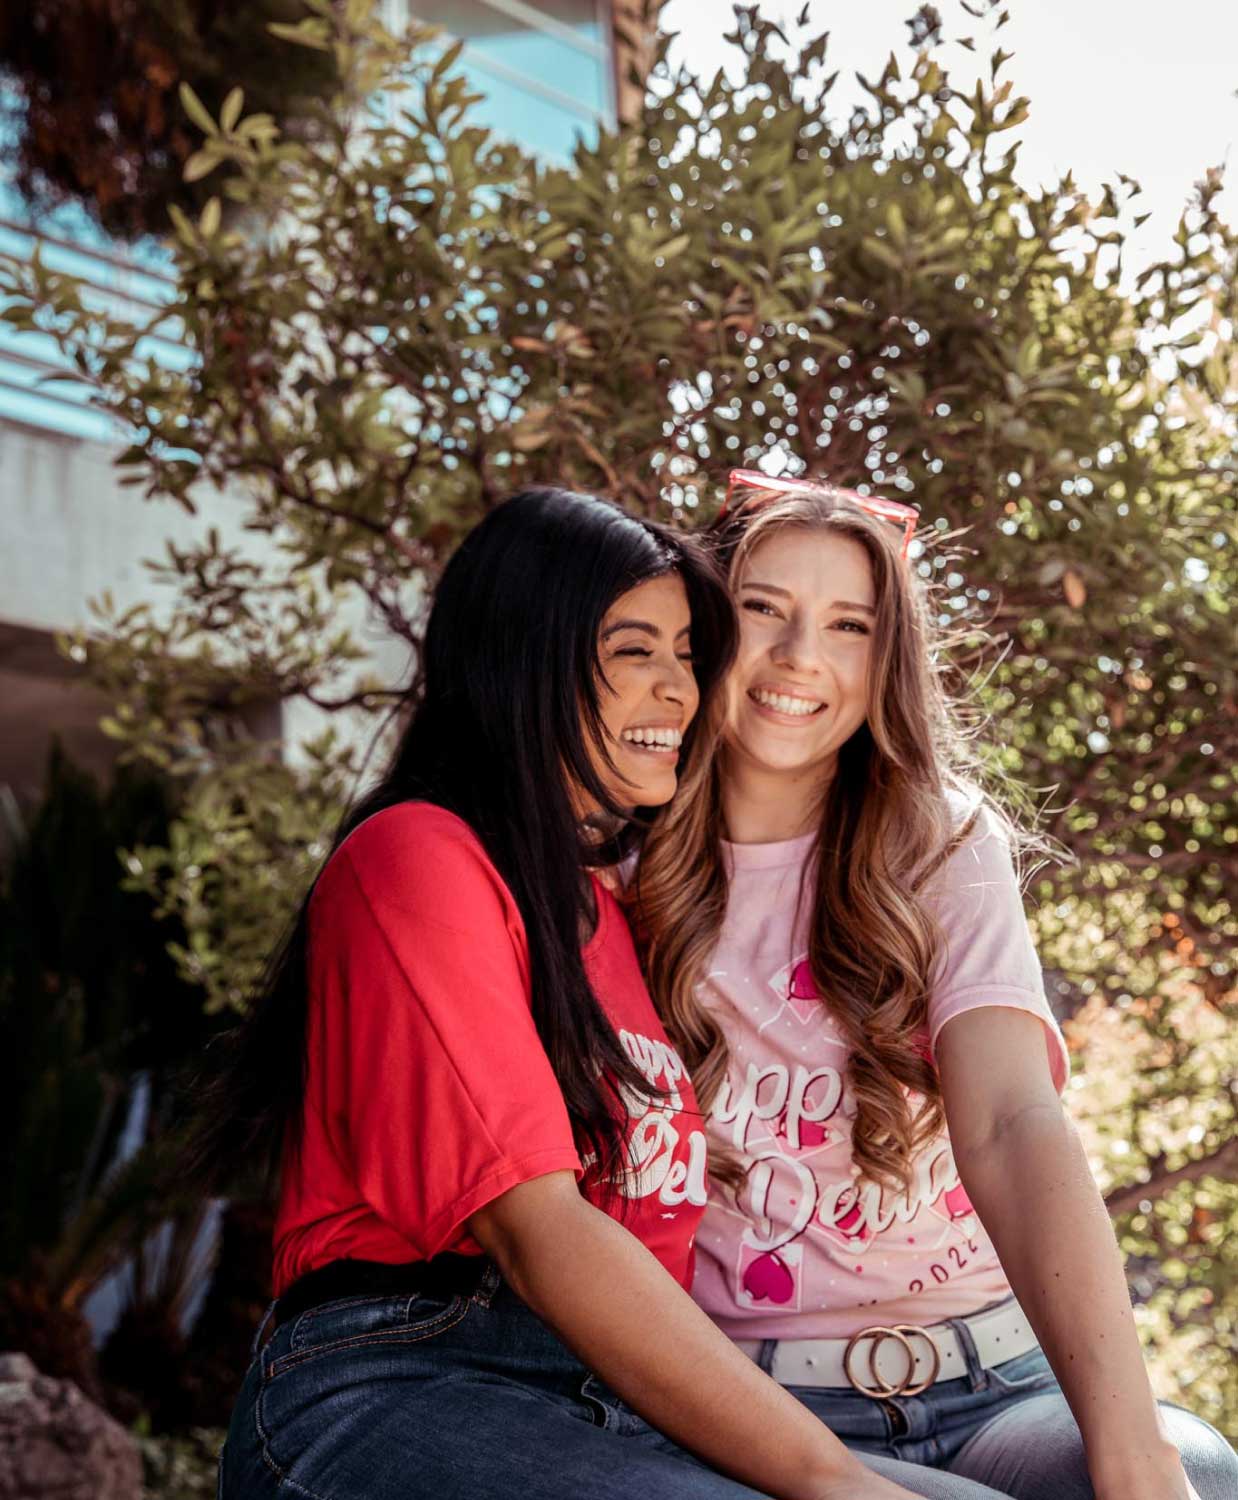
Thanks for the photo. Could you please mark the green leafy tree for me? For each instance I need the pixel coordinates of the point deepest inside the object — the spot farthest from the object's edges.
(418, 318)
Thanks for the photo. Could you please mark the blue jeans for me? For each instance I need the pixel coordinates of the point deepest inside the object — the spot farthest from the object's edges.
(466, 1397)
(1007, 1429)
(456, 1398)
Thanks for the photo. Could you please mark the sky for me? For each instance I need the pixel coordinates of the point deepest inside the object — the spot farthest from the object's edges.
(1144, 87)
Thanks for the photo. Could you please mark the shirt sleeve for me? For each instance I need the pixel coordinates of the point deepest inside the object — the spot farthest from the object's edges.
(989, 958)
(432, 1079)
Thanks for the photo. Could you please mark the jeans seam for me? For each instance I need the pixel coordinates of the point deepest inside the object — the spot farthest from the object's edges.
(448, 1318)
(268, 1458)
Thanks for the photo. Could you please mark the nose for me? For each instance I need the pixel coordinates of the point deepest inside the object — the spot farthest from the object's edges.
(798, 646)
(677, 685)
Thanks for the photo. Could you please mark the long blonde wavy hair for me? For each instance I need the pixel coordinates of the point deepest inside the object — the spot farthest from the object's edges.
(886, 824)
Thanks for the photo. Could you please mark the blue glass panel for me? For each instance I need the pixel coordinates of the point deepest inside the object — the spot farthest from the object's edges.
(569, 57)
(534, 121)
(128, 280)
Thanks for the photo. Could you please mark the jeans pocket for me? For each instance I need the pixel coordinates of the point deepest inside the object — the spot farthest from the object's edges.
(361, 1323)
(1025, 1372)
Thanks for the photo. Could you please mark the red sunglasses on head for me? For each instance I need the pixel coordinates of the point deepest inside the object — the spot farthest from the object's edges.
(765, 487)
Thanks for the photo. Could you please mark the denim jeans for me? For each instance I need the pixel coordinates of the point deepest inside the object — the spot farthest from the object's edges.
(1007, 1429)
(458, 1398)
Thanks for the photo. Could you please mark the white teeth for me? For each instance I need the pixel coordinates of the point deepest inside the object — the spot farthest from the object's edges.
(785, 704)
(654, 739)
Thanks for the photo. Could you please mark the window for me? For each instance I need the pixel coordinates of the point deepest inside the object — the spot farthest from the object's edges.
(545, 68)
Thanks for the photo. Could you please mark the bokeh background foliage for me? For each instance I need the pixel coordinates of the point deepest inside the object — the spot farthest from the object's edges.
(400, 318)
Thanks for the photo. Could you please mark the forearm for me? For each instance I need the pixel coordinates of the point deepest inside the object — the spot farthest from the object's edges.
(1034, 1192)
(616, 1307)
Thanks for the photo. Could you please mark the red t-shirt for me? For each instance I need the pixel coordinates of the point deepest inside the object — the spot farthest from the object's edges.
(428, 1091)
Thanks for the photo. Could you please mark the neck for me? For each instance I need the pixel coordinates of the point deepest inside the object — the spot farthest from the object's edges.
(765, 807)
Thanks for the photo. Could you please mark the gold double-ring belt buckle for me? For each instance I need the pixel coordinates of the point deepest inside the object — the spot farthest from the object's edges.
(901, 1333)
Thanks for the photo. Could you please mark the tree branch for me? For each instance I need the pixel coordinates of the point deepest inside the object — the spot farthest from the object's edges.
(1219, 1163)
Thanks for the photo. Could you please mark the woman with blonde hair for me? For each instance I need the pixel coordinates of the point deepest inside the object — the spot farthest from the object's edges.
(902, 1227)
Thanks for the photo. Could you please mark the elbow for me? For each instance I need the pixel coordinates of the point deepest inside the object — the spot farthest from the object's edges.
(1008, 1132)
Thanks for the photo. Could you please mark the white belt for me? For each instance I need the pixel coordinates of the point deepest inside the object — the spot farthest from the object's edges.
(899, 1359)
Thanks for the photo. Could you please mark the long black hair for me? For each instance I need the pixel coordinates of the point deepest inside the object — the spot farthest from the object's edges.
(505, 711)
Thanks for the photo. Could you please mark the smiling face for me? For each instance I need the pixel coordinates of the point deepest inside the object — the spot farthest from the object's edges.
(799, 687)
(648, 694)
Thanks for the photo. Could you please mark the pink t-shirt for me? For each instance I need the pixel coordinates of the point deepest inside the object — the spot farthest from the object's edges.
(807, 1254)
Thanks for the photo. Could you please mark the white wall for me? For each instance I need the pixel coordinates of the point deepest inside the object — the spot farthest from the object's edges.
(69, 531)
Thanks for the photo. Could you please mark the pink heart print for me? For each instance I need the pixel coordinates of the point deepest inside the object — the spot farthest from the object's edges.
(813, 1133)
(958, 1204)
(802, 994)
(768, 1279)
(852, 1224)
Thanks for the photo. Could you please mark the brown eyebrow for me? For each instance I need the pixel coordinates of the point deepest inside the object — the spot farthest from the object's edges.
(770, 588)
(643, 626)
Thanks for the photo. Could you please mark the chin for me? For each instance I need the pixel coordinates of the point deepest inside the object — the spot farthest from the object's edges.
(773, 753)
(656, 794)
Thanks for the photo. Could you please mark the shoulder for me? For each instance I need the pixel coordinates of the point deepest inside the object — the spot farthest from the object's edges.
(981, 852)
(417, 858)
(976, 823)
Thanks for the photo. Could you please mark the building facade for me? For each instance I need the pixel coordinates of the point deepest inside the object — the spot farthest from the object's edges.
(550, 71)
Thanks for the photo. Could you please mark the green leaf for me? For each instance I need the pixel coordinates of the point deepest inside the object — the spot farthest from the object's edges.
(879, 250)
(185, 231)
(1018, 112)
(308, 33)
(196, 110)
(230, 110)
(199, 165)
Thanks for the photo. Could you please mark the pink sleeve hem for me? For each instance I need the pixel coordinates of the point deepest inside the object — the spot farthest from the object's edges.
(443, 1226)
(1008, 997)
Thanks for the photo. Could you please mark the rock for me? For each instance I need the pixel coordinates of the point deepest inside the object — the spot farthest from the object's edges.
(57, 1445)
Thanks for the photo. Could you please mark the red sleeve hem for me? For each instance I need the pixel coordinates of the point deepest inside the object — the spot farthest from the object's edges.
(441, 1230)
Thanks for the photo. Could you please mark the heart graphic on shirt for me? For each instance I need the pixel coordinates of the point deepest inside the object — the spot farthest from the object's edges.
(813, 1133)
(767, 1279)
(955, 1206)
(958, 1204)
(802, 996)
(852, 1226)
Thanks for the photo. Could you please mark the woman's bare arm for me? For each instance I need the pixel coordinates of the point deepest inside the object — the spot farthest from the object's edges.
(1025, 1171)
(626, 1318)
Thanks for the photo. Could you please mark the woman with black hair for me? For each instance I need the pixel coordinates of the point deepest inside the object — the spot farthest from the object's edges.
(457, 1032)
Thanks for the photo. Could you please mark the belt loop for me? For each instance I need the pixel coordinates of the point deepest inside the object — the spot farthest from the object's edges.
(765, 1355)
(262, 1328)
(489, 1283)
(977, 1375)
